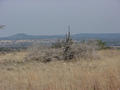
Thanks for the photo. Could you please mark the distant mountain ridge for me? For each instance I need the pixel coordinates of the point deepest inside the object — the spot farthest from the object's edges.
(82, 36)
(23, 36)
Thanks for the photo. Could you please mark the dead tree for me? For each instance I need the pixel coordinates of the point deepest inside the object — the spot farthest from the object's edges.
(67, 53)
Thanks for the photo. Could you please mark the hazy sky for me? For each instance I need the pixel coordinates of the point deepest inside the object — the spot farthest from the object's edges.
(41, 17)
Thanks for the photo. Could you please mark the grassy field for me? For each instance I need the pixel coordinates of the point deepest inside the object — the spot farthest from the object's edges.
(100, 74)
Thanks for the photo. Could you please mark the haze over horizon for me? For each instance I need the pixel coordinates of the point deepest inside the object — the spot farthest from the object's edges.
(51, 17)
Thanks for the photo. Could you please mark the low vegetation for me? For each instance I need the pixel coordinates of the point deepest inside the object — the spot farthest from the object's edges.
(99, 74)
(64, 65)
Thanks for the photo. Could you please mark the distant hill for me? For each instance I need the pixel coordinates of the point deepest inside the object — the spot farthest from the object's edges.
(83, 36)
(23, 36)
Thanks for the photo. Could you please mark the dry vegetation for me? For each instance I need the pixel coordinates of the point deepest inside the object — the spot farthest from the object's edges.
(99, 74)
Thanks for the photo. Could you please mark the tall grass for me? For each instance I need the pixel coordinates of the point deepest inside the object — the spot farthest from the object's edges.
(99, 74)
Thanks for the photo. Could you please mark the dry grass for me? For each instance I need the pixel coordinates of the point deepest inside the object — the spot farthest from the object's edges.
(13, 57)
(101, 74)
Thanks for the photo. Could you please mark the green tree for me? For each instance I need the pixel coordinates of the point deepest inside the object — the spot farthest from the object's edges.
(101, 44)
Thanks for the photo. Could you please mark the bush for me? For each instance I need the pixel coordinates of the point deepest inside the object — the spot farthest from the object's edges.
(101, 44)
(44, 53)
(84, 50)
(74, 51)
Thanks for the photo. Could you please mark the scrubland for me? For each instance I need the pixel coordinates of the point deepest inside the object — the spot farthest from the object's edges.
(103, 73)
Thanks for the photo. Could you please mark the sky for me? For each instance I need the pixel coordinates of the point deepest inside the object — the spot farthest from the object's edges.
(51, 17)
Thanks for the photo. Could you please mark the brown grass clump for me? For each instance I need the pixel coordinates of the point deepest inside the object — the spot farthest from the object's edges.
(102, 74)
(13, 57)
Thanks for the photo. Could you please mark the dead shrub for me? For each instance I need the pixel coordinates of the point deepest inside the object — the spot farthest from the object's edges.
(76, 51)
(43, 53)
(85, 50)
